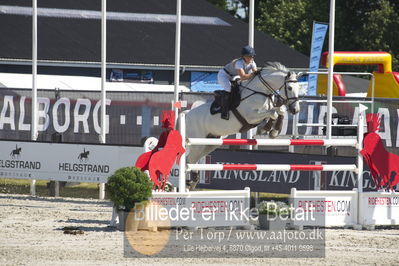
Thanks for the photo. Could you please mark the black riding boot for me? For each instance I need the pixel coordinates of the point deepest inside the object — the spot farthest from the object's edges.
(225, 103)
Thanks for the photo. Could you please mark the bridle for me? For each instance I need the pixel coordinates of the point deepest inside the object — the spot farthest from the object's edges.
(279, 100)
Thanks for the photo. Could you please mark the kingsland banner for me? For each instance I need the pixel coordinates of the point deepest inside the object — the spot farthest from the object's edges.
(74, 116)
(281, 181)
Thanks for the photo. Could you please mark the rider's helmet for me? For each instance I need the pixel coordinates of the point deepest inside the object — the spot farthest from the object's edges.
(248, 51)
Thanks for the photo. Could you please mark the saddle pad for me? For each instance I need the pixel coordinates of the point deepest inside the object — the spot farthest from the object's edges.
(215, 107)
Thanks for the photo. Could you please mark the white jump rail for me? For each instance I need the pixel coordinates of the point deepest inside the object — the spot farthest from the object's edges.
(272, 167)
(357, 143)
(274, 142)
(355, 217)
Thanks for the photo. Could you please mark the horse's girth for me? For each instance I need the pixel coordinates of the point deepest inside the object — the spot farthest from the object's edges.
(245, 125)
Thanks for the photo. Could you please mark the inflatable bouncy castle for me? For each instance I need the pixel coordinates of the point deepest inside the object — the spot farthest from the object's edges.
(386, 81)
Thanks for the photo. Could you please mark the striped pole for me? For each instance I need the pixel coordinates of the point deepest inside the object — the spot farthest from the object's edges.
(182, 168)
(274, 142)
(272, 167)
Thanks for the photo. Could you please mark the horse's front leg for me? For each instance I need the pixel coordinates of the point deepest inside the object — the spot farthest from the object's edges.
(275, 131)
(267, 123)
(268, 114)
(264, 127)
(273, 122)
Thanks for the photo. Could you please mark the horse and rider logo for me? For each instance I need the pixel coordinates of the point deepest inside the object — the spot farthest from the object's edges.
(384, 165)
(84, 155)
(16, 153)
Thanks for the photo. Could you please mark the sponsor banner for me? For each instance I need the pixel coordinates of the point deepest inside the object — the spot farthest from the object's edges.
(64, 162)
(379, 208)
(191, 218)
(200, 208)
(318, 35)
(281, 181)
(74, 117)
(121, 75)
(325, 208)
(204, 81)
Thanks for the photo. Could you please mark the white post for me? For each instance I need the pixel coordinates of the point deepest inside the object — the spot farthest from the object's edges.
(372, 93)
(56, 188)
(177, 55)
(103, 80)
(33, 187)
(295, 119)
(34, 84)
(251, 22)
(103, 68)
(101, 191)
(360, 136)
(330, 68)
(251, 132)
(360, 130)
(182, 168)
(251, 28)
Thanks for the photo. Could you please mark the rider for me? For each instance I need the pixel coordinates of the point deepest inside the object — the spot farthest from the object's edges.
(243, 68)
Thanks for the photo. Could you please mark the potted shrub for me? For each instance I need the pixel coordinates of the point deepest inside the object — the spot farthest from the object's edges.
(127, 187)
(273, 215)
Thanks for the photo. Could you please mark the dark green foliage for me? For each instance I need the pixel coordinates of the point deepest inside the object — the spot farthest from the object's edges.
(360, 25)
(128, 186)
(219, 3)
(231, 6)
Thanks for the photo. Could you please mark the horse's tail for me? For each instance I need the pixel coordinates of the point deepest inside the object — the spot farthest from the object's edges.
(196, 104)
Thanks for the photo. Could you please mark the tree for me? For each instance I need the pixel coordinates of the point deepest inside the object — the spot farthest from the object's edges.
(219, 3)
(233, 7)
(360, 25)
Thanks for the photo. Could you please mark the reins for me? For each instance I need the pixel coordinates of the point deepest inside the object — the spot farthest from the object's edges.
(279, 99)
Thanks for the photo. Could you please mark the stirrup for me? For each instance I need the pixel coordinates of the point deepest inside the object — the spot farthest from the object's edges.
(225, 116)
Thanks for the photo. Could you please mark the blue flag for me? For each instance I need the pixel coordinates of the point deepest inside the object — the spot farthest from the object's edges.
(318, 35)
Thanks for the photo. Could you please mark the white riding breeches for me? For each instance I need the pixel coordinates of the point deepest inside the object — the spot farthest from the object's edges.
(224, 80)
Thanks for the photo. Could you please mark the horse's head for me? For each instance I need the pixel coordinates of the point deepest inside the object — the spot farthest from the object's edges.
(277, 80)
(290, 91)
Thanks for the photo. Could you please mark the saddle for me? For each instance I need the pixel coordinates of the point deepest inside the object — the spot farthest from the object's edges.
(233, 99)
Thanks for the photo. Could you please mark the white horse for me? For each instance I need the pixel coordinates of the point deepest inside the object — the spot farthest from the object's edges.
(265, 96)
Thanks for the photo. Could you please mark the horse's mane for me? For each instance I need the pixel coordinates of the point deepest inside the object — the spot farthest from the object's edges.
(275, 66)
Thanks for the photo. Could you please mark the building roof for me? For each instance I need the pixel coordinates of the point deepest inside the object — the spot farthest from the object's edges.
(76, 83)
(139, 33)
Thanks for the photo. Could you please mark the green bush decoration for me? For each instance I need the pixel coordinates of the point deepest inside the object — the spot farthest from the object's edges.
(128, 186)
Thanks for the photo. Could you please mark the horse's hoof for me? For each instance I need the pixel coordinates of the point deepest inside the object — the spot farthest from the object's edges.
(268, 126)
(282, 110)
(273, 134)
